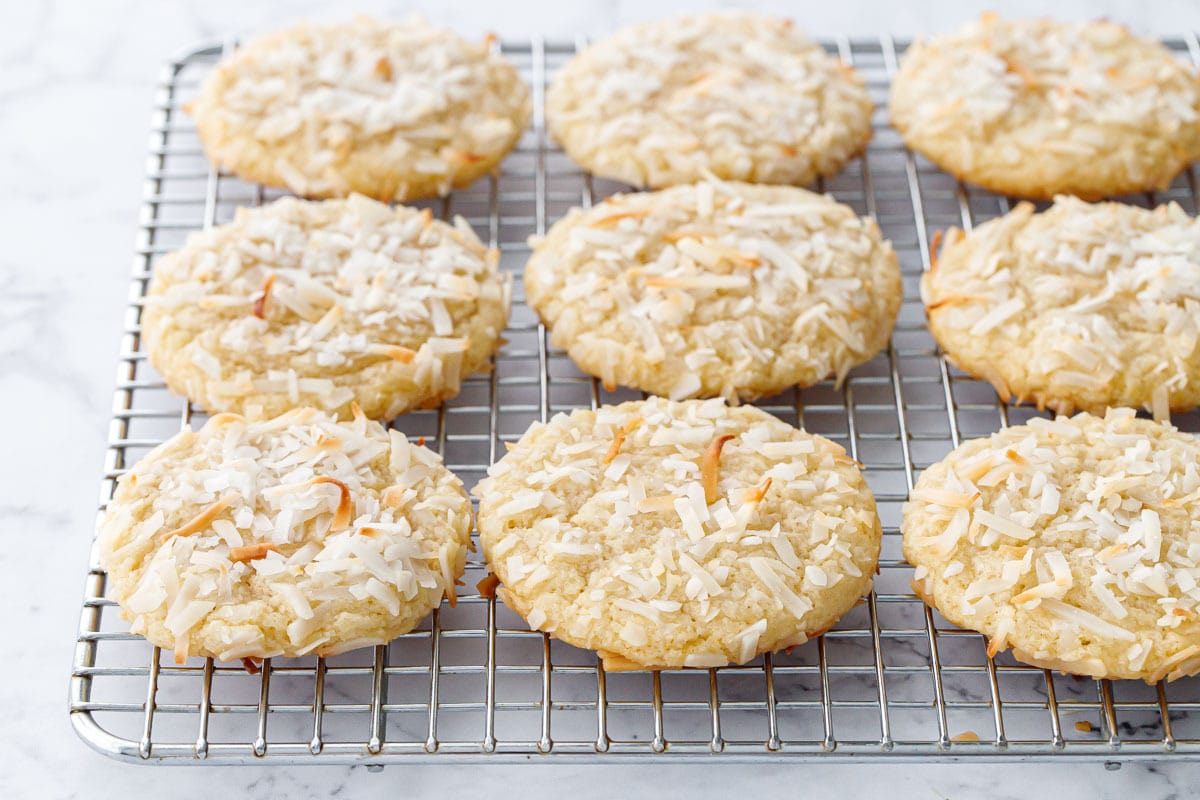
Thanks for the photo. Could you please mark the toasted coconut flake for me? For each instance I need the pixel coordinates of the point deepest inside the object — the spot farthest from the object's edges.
(955, 299)
(251, 551)
(345, 507)
(393, 351)
(260, 303)
(935, 248)
(710, 464)
(464, 157)
(1112, 551)
(201, 520)
(612, 219)
(708, 281)
(619, 439)
(382, 68)
(487, 586)
(393, 496)
(756, 493)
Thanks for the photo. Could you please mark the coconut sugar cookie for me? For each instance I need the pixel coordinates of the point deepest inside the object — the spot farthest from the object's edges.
(295, 535)
(744, 96)
(665, 534)
(395, 110)
(1075, 542)
(716, 288)
(322, 303)
(1034, 107)
(1079, 307)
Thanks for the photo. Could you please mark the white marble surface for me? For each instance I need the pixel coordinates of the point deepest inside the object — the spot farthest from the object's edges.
(75, 90)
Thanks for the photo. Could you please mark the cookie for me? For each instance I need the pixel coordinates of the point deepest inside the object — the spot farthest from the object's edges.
(1073, 541)
(393, 110)
(1078, 307)
(323, 303)
(744, 96)
(1034, 108)
(665, 534)
(295, 535)
(716, 288)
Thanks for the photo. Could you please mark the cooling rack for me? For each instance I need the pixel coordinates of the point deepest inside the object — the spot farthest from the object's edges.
(893, 680)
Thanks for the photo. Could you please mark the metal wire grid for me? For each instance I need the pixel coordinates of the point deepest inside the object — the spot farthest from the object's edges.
(892, 680)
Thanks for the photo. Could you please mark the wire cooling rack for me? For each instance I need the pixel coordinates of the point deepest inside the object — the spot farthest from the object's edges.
(891, 680)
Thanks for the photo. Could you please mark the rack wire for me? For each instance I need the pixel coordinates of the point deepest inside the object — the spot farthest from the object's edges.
(893, 680)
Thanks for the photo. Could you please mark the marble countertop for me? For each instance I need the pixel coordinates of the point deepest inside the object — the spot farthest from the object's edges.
(75, 91)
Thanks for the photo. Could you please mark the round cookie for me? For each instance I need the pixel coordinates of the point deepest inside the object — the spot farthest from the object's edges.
(1038, 108)
(741, 95)
(1073, 541)
(716, 288)
(393, 110)
(1078, 307)
(665, 534)
(324, 303)
(295, 535)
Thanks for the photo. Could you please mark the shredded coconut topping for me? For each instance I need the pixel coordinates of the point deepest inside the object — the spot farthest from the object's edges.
(396, 110)
(1085, 108)
(642, 565)
(313, 535)
(716, 288)
(1088, 542)
(743, 95)
(323, 303)
(1080, 306)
